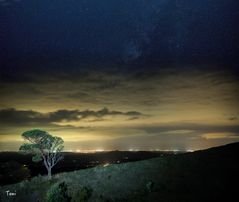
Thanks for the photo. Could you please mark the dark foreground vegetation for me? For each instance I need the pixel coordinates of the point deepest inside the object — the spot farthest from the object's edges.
(209, 175)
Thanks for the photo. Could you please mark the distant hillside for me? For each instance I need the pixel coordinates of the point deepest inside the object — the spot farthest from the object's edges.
(16, 167)
(209, 175)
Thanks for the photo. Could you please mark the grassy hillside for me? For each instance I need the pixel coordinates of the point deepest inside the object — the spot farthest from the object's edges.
(207, 175)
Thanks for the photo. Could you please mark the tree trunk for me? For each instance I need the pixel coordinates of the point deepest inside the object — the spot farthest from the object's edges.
(49, 173)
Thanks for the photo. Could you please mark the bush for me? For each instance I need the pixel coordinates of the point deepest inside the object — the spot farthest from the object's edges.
(150, 186)
(58, 193)
(83, 194)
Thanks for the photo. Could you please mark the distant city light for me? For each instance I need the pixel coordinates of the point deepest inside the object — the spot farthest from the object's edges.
(99, 150)
(106, 164)
(87, 150)
(131, 149)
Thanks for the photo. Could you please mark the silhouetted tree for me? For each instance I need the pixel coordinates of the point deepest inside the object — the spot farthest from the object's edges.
(44, 147)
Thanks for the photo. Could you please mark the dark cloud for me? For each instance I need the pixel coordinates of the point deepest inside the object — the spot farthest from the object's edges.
(133, 118)
(13, 116)
(79, 95)
(133, 113)
(105, 112)
(17, 117)
(233, 118)
(139, 90)
(63, 115)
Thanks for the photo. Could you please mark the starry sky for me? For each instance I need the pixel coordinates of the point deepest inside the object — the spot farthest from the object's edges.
(120, 75)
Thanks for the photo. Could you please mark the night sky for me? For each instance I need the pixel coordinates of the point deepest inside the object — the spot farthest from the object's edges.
(120, 75)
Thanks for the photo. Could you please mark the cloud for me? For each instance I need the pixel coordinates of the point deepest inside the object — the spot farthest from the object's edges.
(17, 117)
(193, 129)
(178, 132)
(166, 94)
(233, 118)
(170, 106)
(220, 136)
(13, 116)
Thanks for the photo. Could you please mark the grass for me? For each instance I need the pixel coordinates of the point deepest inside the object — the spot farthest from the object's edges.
(199, 176)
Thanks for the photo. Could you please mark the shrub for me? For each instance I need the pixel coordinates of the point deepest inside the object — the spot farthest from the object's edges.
(150, 186)
(58, 193)
(83, 194)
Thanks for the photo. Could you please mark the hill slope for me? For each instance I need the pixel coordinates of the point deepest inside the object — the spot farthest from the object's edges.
(207, 175)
